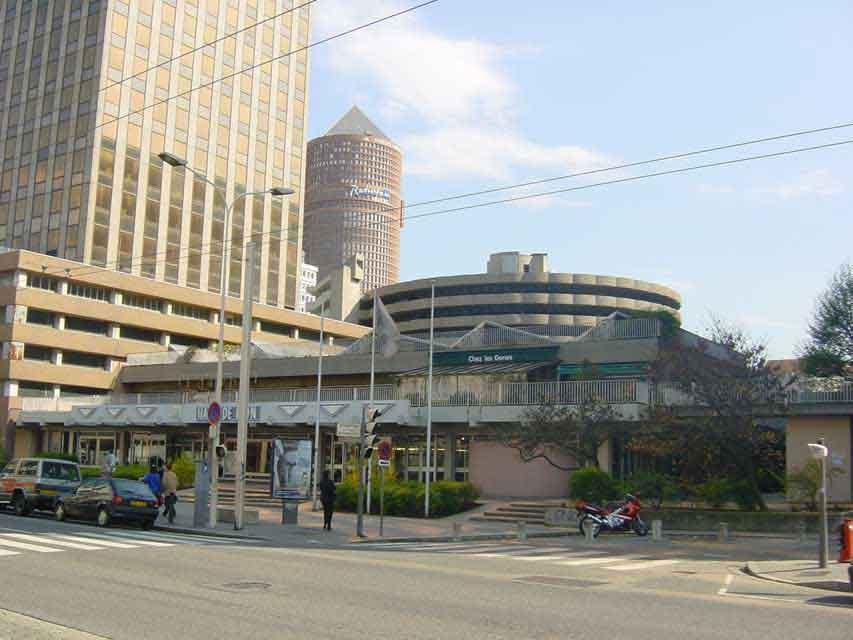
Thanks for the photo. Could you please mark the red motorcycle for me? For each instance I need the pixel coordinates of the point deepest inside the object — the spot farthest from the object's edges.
(624, 516)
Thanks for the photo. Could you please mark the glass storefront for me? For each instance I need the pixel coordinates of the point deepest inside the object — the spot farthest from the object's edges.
(94, 445)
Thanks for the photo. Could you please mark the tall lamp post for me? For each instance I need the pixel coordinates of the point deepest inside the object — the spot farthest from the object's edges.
(820, 453)
(174, 161)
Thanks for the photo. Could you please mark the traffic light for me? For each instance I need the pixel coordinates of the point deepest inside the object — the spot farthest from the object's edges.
(220, 451)
(370, 442)
(371, 417)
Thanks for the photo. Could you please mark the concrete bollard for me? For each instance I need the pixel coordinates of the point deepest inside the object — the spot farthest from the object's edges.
(457, 532)
(723, 533)
(522, 530)
(587, 531)
(657, 530)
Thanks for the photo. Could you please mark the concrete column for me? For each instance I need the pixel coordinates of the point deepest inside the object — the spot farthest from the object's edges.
(112, 364)
(63, 288)
(256, 325)
(13, 350)
(116, 297)
(167, 308)
(10, 388)
(20, 279)
(214, 317)
(114, 330)
(16, 314)
(57, 391)
(166, 339)
(296, 333)
(59, 322)
(56, 357)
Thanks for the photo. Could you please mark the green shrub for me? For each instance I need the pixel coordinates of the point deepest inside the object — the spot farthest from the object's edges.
(184, 468)
(129, 471)
(407, 498)
(346, 496)
(652, 487)
(89, 472)
(714, 491)
(745, 496)
(770, 482)
(593, 485)
(803, 484)
(70, 457)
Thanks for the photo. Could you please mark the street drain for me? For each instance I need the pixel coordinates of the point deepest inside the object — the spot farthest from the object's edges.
(552, 581)
(246, 586)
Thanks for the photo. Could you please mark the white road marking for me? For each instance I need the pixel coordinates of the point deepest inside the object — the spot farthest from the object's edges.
(585, 561)
(57, 543)
(4, 542)
(6, 552)
(102, 543)
(131, 540)
(638, 566)
(562, 556)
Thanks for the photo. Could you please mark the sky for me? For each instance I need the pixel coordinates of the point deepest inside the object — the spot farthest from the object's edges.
(489, 93)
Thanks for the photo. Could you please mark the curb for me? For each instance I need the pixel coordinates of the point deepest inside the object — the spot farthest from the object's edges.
(468, 537)
(810, 585)
(207, 532)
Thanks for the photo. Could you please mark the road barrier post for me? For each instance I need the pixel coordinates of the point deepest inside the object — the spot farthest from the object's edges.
(522, 530)
(657, 530)
(723, 533)
(457, 532)
(588, 535)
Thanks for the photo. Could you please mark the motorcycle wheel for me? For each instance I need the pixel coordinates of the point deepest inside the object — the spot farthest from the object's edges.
(585, 522)
(640, 527)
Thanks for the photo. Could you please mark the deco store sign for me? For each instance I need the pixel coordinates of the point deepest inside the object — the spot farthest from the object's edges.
(229, 413)
(360, 192)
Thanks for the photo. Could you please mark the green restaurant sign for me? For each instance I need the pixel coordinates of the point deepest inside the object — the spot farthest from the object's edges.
(496, 356)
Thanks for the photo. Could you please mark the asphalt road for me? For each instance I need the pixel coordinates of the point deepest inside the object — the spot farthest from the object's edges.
(127, 584)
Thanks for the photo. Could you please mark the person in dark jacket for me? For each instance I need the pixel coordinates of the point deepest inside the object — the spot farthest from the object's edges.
(327, 497)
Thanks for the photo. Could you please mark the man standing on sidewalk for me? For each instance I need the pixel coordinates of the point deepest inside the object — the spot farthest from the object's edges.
(170, 490)
(327, 497)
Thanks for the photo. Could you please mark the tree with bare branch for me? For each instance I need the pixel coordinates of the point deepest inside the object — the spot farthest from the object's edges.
(552, 432)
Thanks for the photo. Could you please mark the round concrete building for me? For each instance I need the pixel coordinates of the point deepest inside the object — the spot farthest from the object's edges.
(518, 290)
(352, 200)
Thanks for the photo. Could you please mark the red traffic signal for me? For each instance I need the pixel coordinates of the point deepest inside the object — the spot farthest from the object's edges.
(384, 449)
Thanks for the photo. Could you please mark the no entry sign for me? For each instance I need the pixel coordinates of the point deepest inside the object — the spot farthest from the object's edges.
(384, 450)
(214, 413)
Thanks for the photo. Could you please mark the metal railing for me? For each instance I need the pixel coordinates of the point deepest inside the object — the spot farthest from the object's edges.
(609, 391)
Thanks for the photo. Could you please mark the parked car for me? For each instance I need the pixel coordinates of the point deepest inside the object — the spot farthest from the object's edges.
(104, 500)
(37, 483)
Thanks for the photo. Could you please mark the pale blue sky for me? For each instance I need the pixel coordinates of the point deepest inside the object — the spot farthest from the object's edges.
(484, 93)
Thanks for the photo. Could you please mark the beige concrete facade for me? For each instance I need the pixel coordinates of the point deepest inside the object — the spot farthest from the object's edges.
(837, 432)
(498, 471)
(70, 335)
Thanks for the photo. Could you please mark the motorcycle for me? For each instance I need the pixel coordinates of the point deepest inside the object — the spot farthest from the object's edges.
(624, 516)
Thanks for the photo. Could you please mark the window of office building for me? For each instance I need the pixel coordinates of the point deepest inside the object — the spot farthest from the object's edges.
(190, 311)
(88, 325)
(38, 316)
(81, 359)
(39, 353)
(142, 302)
(88, 291)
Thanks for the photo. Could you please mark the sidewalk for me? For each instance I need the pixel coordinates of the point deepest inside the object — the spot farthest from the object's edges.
(310, 527)
(803, 573)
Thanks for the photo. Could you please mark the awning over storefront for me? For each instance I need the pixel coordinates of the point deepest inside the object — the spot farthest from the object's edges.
(478, 369)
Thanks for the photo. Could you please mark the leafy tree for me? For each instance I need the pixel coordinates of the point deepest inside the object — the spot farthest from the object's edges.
(729, 389)
(804, 483)
(550, 432)
(829, 351)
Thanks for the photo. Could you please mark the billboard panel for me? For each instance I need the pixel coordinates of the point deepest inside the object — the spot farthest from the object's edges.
(291, 477)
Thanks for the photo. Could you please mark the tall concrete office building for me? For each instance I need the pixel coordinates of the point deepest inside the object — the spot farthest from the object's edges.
(84, 113)
(352, 200)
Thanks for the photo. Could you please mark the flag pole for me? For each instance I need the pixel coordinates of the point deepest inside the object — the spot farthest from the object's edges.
(317, 417)
(429, 396)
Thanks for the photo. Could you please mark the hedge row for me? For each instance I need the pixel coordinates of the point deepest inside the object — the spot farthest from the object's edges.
(407, 498)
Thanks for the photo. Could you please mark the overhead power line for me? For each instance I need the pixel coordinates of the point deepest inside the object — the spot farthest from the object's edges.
(271, 60)
(87, 269)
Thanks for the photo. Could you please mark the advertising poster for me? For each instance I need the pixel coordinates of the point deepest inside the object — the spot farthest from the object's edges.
(291, 478)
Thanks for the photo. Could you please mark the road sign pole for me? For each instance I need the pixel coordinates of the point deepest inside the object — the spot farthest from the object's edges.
(359, 521)
(381, 500)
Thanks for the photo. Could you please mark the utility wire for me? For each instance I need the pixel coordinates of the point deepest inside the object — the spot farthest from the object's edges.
(90, 270)
(274, 59)
(206, 44)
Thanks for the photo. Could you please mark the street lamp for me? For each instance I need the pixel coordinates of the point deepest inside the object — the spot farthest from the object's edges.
(820, 453)
(176, 161)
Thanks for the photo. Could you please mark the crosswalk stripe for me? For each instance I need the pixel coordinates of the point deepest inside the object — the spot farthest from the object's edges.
(190, 537)
(585, 561)
(438, 547)
(120, 533)
(131, 540)
(636, 566)
(535, 551)
(102, 543)
(494, 548)
(6, 552)
(561, 556)
(27, 547)
(52, 541)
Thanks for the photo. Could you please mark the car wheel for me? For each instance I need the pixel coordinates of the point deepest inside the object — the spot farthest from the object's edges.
(59, 512)
(147, 524)
(19, 504)
(103, 517)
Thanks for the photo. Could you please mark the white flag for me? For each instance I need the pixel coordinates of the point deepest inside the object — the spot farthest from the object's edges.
(386, 334)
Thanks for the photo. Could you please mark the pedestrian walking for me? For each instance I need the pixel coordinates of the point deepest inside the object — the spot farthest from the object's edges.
(327, 497)
(152, 479)
(170, 491)
(108, 465)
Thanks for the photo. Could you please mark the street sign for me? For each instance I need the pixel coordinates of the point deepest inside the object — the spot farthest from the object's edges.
(383, 462)
(349, 430)
(214, 413)
(384, 451)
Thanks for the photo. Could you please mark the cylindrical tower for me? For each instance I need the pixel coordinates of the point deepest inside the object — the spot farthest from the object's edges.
(352, 200)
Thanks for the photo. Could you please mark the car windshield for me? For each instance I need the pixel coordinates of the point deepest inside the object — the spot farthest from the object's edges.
(60, 471)
(133, 488)
(10, 468)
